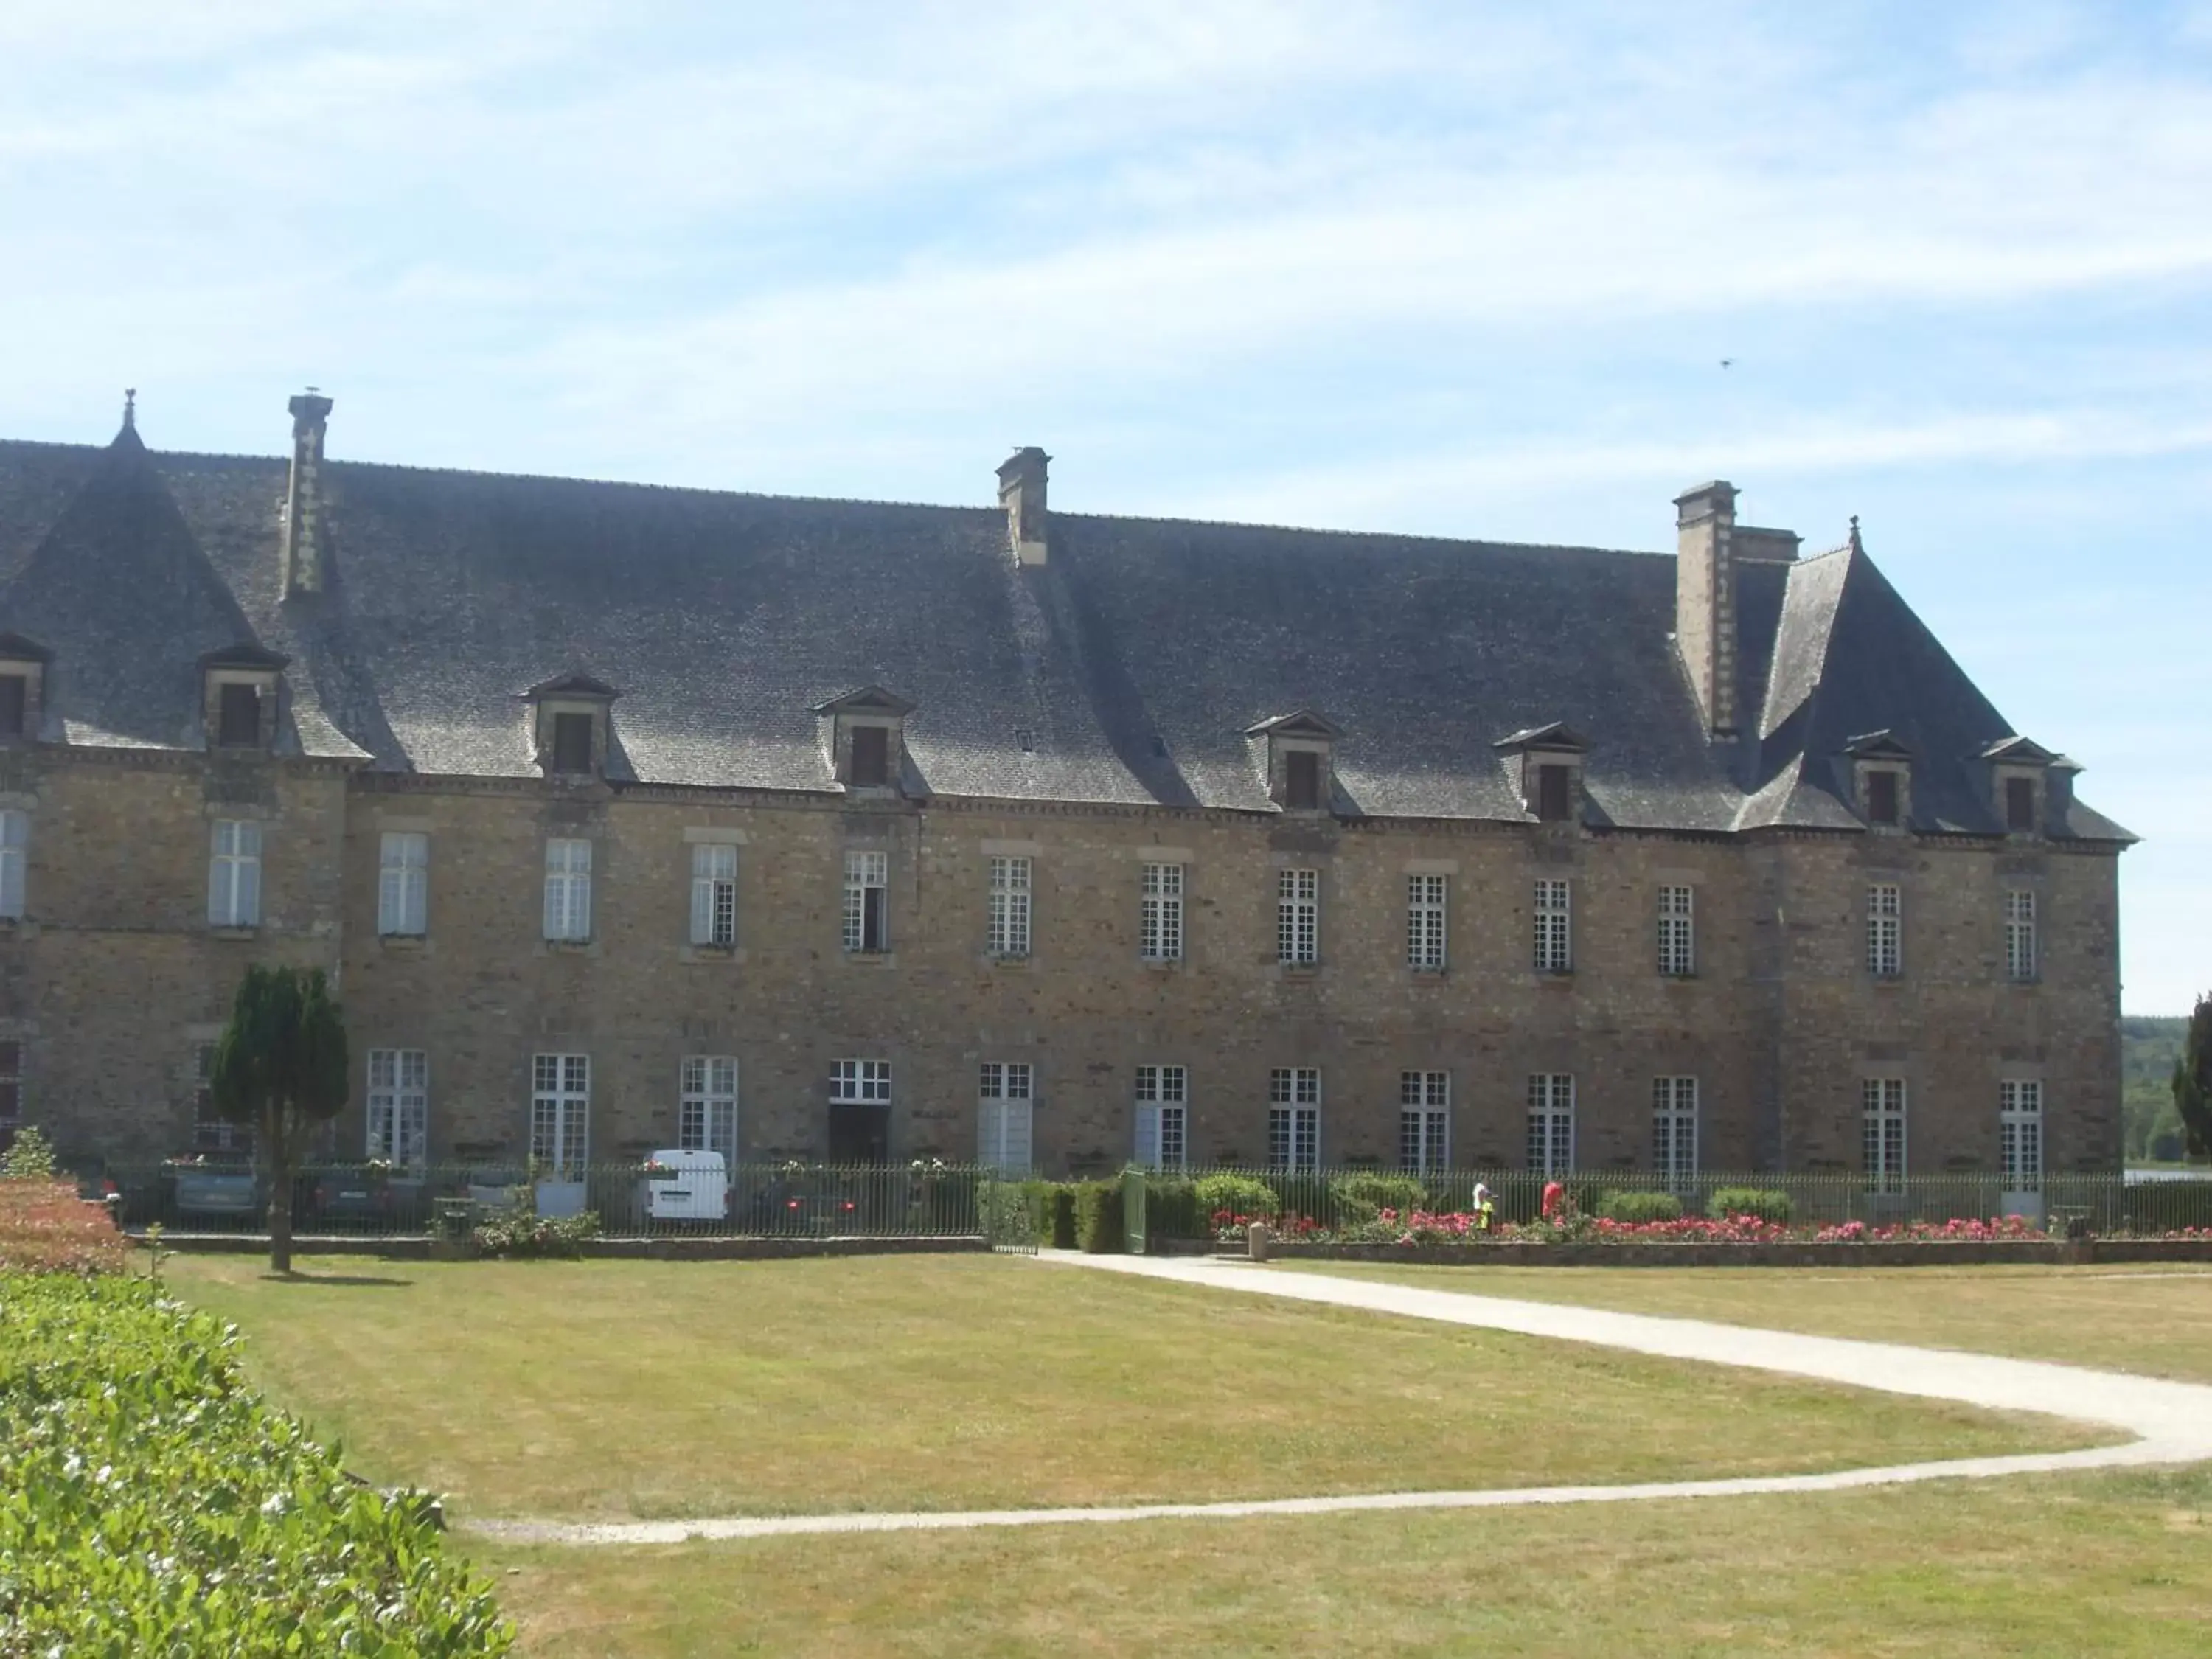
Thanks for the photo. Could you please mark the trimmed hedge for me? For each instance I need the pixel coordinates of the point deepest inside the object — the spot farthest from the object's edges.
(1640, 1207)
(1767, 1206)
(1239, 1194)
(1364, 1197)
(150, 1503)
(1098, 1229)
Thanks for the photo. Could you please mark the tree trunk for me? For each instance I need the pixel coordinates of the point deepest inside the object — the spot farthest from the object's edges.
(280, 1195)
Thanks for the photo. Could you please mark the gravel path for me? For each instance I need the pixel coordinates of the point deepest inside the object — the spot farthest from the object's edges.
(2171, 1422)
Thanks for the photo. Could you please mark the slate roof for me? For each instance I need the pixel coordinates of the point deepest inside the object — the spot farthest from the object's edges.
(1133, 663)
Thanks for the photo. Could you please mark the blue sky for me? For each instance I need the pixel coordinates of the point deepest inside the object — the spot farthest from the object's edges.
(1449, 268)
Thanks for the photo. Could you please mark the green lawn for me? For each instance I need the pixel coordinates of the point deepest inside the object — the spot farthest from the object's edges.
(617, 1388)
(2156, 1321)
(2116, 1566)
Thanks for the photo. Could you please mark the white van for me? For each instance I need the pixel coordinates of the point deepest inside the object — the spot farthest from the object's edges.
(696, 1188)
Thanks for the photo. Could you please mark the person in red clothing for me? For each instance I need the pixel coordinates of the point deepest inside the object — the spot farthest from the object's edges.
(1555, 1200)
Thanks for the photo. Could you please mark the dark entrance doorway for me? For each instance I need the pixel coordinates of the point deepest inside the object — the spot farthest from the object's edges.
(859, 1134)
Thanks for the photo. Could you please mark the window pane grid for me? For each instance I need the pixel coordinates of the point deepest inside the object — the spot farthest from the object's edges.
(1674, 1129)
(707, 1106)
(867, 877)
(398, 1105)
(1294, 1117)
(2020, 934)
(1009, 907)
(1299, 915)
(2019, 1135)
(1424, 922)
(568, 889)
(14, 836)
(1554, 927)
(403, 885)
(560, 1113)
(1551, 1123)
(1885, 930)
(234, 874)
(1424, 1121)
(1677, 955)
(861, 1082)
(714, 894)
(1160, 921)
(1882, 1108)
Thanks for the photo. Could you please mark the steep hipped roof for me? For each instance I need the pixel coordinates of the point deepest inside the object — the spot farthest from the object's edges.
(1127, 669)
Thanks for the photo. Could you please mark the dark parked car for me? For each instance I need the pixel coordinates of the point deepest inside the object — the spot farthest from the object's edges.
(356, 1200)
(807, 1203)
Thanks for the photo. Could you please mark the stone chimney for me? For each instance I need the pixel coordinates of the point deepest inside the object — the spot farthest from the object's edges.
(1704, 600)
(1021, 492)
(303, 502)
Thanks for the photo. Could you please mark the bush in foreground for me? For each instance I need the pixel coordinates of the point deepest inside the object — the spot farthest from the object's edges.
(1637, 1207)
(1767, 1206)
(46, 1228)
(150, 1503)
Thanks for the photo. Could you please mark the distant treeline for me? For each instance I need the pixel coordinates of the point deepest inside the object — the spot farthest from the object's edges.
(2149, 1049)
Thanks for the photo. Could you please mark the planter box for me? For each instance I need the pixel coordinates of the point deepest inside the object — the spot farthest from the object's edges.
(1900, 1254)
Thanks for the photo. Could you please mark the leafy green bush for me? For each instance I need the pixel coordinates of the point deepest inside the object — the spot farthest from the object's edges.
(1639, 1207)
(519, 1230)
(1244, 1195)
(30, 1158)
(1172, 1209)
(150, 1503)
(1363, 1197)
(1767, 1206)
(1098, 1216)
(1060, 1214)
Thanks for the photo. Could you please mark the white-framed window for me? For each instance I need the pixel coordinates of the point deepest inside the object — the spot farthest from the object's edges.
(1159, 927)
(1555, 929)
(867, 895)
(2019, 1135)
(1004, 1099)
(234, 874)
(1009, 907)
(403, 885)
(561, 1113)
(1425, 921)
(14, 842)
(568, 889)
(1551, 1123)
(1885, 930)
(1294, 1117)
(707, 1107)
(1882, 1107)
(859, 1082)
(1678, 931)
(2020, 933)
(715, 895)
(1674, 1129)
(211, 1134)
(1162, 1116)
(1297, 916)
(1424, 1120)
(399, 1105)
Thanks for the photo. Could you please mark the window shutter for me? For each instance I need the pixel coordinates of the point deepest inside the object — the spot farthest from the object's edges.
(1148, 1136)
(249, 891)
(557, 903)
(1014, 1137)
(702, 905)
(990, 1132)
(218, 885)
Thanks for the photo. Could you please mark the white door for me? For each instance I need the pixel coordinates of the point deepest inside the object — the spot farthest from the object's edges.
(2019, 1147)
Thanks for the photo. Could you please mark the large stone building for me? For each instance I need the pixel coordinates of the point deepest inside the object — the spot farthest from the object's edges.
(625, 816)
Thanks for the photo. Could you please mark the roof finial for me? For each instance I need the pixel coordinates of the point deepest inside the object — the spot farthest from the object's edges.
(1856, 545)
(130, 408)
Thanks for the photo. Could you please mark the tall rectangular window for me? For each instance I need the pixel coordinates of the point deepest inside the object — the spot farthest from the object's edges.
(572, 742)
(1424, 922)
(2020, 933)
(14, 704)
(715, 895)
(212, 1133)
(561, 1113)
(1555, 794)
(1555, 934)
(1297, 916)
(1302, 780)
(868, 890)
(1678, 932)
(1009, 907)
(872, 756)
(1005, 1097)
(1882, 1107)
(398, 1105)
(11, 1092)
(1674, 1129)
(2019, 804)
(1881, 799)
(707, 1107)
(568, 889)
(859, 1082)
(1294, 1117)
(1885, 930)
(2019, 1135)
(1162, 1116)
(1159, 927)
(403, 885)
(238, 716)
(234, 874)
(1551, 1123)
(15, 848)
(1424, 1121)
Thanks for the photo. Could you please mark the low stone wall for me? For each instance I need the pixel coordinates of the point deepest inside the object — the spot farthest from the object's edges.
(2076, 1252)
(418, 1249)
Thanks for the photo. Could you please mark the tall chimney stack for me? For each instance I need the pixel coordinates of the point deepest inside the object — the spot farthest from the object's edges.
(1704, 600)
(303, 502)
(1021, 492)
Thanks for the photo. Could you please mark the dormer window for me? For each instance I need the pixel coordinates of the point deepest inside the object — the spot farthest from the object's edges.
(15, 706)
(240, 705)
(1550, 759)
(2020, 804)
(2019, 771)
(1882, 779)
(22, 675)
(1297, 753)
(864, 737)
(571, 726)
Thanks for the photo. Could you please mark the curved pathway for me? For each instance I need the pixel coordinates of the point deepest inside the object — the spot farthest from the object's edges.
(2170, 1422)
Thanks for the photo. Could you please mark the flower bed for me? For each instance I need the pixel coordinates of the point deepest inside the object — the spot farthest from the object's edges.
(46, 1228)
(1461, 1228)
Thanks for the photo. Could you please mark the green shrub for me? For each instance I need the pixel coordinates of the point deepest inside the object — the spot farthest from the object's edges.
(1061, 1215)
(31, 1157)
(1767, 1206)
(1172, 1210)
(1639, 1207)
(1363, 1197)
(1098, 1216)
(151, 1503)
(519, 1230)
(1238, 1194)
